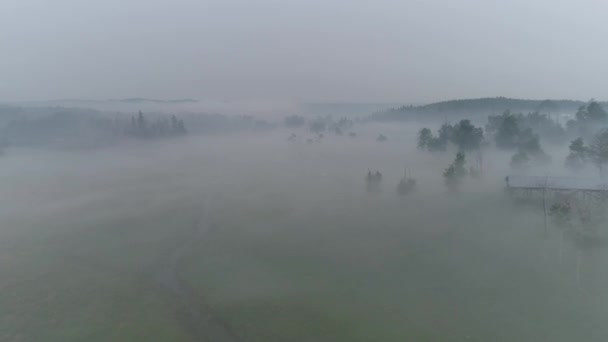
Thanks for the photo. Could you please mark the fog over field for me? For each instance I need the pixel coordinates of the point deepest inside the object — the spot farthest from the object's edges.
(306, 170)
(249, 236)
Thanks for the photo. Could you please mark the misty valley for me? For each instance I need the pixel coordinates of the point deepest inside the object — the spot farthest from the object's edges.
(468, 220)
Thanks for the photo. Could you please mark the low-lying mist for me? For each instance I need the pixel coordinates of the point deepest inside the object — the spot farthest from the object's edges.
(275, 236)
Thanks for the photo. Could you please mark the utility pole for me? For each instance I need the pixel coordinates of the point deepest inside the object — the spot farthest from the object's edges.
(545, 206)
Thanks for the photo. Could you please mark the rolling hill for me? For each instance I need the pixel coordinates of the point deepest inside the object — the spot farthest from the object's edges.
(477, 107)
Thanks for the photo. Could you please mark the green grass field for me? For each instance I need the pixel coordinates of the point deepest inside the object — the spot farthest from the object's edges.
(389, 270)
(89, 279)
(281, 247)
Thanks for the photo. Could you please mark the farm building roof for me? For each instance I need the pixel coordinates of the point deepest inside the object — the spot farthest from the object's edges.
(556, 183)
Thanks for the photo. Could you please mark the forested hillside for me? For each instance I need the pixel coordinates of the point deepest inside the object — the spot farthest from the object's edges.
(478, 107)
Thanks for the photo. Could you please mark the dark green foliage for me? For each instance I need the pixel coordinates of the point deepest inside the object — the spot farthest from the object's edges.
(64, 127)
(424, 137)
(599, 149)
(466, 136)
(514, 131)
(545, 126)
(593, 112)
(507, 130)
(578, 156)
(519, 159)
(530, 143)
(455, 173)
(141, 127)
(426, 140)
(578, 146)
(323, 124)
(327, 124)
(508, 127)
(528, 149)
(450, 173)
(589, 118)
(294, 121)
(547, 106)
(459, 164)
(445, 132)
(86, 128)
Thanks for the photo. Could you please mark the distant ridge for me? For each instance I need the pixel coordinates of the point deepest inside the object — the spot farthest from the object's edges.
(76, 101)
(347, 109)
(478, 107)
(140, 100)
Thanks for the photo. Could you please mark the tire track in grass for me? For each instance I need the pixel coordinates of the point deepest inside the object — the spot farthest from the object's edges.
(195, 317)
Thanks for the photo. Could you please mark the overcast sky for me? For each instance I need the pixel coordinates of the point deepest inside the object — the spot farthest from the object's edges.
(303, 50)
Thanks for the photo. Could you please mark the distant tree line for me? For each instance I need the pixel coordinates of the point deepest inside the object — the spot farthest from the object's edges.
(319, 125)
(75, 127)
(141, 127)
(295, 121)
(476, 108)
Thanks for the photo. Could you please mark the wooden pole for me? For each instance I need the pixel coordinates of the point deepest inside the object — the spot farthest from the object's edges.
(545, 207)
(561, 246)
(578, 269)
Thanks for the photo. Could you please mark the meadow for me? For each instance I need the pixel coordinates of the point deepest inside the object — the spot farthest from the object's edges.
(253, 238)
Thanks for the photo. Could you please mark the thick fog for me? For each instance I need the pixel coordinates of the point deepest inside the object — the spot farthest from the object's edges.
(281, 171)
(276, 235)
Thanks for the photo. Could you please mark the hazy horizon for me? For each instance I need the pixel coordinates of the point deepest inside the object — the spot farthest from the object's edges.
(300, 197)
(302, 51)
